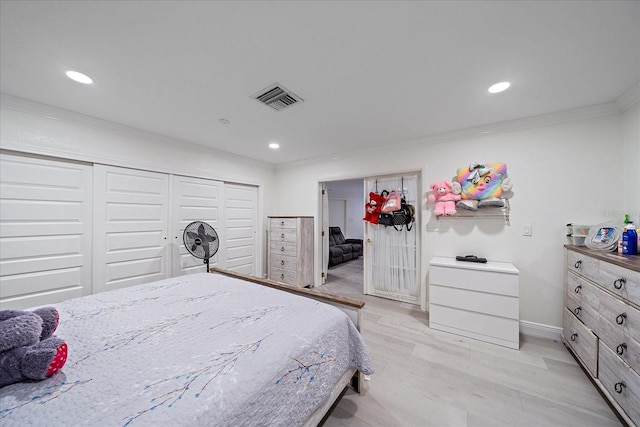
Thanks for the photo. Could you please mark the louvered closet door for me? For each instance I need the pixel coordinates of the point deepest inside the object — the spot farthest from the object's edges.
(194, 199)
(45, 231)
(241, 222)
(131, 227)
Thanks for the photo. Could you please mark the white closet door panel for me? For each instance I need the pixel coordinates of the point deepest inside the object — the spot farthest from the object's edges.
(194, 199)
(241, 203)
(45, 231)
(131, 217)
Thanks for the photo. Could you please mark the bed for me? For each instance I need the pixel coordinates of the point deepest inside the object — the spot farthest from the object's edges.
(203, 349)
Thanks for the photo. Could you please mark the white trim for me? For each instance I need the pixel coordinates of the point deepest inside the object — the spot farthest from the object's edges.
(540, 330)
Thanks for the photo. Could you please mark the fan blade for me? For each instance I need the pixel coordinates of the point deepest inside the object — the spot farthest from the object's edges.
(193, 248)
(208, 238)
(206, 251)
(192, 235)
(201, 229)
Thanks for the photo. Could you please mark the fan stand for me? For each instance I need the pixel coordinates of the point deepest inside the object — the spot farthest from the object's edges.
(206, 261)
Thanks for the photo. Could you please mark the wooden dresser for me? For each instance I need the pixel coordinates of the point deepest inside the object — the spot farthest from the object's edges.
(475, 300)
(290, 250)
(602, 323)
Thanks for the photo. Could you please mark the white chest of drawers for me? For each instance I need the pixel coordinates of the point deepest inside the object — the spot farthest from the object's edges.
(602, 324)
(475, 300)
(290, 250)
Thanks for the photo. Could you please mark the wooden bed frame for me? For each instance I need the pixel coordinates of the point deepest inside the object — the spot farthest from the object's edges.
(350, 307)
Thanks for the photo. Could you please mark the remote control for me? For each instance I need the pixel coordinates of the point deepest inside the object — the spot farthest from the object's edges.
(471, 258)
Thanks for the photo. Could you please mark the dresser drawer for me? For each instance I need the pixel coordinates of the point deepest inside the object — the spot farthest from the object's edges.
(283, 248)
(583, 300)
(583, 265)
(284, 276)
(481, 281)
(620, 281)
(622, 383)
(583, 342)
(627, 348)
(625, 318)
(283, 262)
(283, 235)
(282, 223)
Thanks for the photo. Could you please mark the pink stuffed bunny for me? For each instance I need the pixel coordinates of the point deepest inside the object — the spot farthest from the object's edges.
(444, 198)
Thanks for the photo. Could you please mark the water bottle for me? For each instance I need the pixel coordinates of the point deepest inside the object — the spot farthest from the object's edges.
(629, 240)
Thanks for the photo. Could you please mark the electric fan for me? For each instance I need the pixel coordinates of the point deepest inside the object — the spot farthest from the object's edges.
(201, 240)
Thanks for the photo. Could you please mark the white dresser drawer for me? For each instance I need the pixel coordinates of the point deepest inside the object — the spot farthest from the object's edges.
(493, 304)
(283, 235)
(583, 342)
(622, 383)
(283, 262)
(476, 280)
(621, 281)
(284, 276)
(282, 223)
(283, 248)
(583, 265)
(497, 330)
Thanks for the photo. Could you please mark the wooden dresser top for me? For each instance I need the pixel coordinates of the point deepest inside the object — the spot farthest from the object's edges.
(632, 262)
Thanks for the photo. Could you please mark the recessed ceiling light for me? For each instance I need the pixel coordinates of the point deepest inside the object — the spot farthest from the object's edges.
(79, 77)
(499, 87)
(274, 146)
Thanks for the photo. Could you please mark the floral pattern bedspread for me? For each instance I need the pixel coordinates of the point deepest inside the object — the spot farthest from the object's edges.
(202, 349)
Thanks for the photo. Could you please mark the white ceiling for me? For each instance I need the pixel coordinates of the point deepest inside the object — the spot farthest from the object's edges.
(371, 74)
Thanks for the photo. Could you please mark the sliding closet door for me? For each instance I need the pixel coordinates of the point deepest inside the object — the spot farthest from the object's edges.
(392, 256)
(194, 199)
(45, 231)
(130, 227)
(241, 223)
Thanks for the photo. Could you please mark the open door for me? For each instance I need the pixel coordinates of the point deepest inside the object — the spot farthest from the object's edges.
(324, 203)
(391, 257)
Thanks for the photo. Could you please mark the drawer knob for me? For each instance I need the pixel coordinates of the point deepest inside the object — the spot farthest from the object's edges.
(282, 224)
(282, 249)
(577, 264)
(620, 386)
(576, 310)
(618, 283)
(620, 318)
(282, 236)
(574, 336)
(621, 348)
(577, 289)
(282, 262)
(282, 276)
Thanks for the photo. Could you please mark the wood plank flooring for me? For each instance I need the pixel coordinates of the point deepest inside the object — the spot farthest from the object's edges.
(425, 377)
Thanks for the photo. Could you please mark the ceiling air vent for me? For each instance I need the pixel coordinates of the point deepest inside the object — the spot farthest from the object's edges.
(277, 97)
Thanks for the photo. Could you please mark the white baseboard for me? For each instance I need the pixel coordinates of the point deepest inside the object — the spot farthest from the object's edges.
(540, 330)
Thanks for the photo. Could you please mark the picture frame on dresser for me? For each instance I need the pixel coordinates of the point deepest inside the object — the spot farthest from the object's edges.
(601, 324)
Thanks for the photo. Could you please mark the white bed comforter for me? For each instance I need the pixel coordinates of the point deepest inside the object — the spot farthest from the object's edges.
(202, 349)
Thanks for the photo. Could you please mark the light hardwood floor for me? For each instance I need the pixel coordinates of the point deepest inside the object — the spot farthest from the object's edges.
(425, 377)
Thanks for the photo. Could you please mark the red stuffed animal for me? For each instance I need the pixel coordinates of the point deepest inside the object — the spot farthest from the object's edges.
(372, 211)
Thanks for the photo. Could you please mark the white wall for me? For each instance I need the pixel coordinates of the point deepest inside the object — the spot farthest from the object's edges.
(630, 159)
(567, 172)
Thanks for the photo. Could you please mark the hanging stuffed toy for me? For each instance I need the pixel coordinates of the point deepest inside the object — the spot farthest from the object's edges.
(445, 199)
(482, 185)
(372, 208)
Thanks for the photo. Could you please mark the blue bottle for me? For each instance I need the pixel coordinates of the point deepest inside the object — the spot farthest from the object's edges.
(629, 240)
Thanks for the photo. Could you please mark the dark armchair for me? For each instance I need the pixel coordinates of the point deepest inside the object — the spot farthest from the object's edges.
(341, 249)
